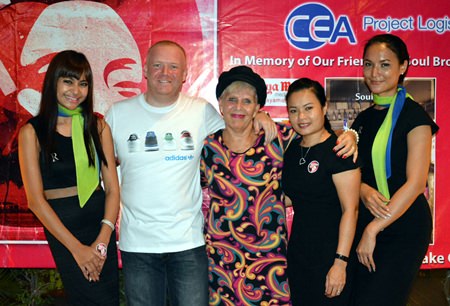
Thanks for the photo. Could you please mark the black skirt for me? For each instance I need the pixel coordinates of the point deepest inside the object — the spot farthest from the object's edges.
(85, 223)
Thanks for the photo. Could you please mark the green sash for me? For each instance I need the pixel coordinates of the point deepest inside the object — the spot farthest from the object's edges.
(87, 176)
(381, 148)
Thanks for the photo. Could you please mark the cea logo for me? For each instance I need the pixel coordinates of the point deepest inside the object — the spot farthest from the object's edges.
(311, 25)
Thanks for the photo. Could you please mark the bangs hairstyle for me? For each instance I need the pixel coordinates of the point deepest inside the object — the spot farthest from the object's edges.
(238, 85)
(68, 64)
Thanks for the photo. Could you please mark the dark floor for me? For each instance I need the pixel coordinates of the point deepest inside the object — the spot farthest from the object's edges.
(429, 289)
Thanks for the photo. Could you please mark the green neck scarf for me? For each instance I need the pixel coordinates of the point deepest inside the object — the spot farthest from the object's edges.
(381, 148)
(87, 176)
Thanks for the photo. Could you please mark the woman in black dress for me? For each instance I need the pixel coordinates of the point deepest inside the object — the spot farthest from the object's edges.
(324, 190)
(62, 153)
(394, 225)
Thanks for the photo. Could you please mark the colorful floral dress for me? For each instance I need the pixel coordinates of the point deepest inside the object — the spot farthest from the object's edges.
(245, 230)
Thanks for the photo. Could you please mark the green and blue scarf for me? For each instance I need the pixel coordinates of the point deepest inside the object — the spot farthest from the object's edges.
(87, 176)
(381, 148)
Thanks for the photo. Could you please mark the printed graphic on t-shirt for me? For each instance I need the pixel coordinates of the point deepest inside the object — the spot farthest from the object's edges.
(133, 143)
(54, 157)
(166, 142)
(313, 166)
(187, 143)
(169, 142)
(151, 142)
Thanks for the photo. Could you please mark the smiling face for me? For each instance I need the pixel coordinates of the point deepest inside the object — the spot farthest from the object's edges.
(165, 71)
(239, 105)
(382, 69)
(306, 114)
(71, 92)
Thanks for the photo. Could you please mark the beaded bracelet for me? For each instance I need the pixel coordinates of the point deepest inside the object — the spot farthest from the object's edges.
(354, 132)
(109, 223)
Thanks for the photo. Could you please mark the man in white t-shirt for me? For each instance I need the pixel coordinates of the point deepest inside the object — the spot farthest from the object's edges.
(158, 137)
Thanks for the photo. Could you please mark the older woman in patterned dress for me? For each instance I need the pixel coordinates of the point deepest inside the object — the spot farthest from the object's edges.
(245, 231)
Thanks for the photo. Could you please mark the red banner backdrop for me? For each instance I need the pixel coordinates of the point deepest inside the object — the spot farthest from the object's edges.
(281, 40)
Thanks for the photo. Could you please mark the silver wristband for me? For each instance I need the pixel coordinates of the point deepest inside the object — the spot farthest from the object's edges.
(109, 223)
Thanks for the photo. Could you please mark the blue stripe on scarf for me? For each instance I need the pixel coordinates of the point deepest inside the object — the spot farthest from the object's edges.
(398, 106)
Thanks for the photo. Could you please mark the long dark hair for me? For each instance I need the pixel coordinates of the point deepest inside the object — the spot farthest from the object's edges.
(70, 64)
(396, 45)
(316, 88)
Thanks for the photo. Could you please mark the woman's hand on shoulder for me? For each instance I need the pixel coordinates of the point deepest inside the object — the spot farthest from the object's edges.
(346, 146)
(264, 122)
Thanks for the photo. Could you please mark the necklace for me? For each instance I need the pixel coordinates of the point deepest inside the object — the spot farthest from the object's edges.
(302, 159)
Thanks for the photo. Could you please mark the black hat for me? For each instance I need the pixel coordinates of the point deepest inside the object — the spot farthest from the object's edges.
(244, 74)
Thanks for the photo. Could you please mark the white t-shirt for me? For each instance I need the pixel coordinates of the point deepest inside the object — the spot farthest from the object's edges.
(159, 153)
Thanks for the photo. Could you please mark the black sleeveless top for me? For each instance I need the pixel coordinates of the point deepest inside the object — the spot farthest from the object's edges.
(60, 171)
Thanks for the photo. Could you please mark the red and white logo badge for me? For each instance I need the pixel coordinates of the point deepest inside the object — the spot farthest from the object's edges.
(313, 166)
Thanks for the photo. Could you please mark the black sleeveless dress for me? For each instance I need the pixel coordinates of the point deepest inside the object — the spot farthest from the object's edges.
(401, 247)
(84, 223)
